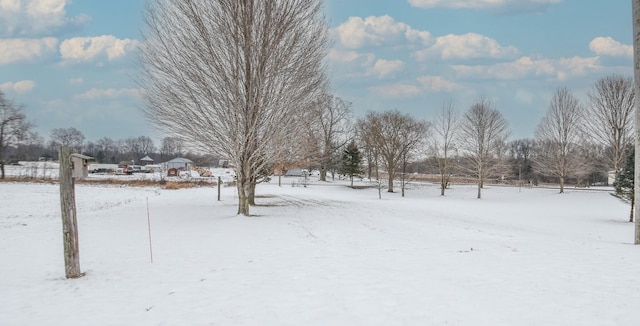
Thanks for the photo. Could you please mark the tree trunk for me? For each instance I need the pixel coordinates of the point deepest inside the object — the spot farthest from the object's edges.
(479, 188)
(561, 185)
(633, 202)
(1, 169)
(251, 194)
(323, 173)
(636, 61)
(243, 185)
(69, 218)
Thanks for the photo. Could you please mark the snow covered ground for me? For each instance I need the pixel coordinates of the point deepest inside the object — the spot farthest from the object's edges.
(321, 255)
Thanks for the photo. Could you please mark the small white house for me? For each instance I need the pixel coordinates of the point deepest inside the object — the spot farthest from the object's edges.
(178, 163)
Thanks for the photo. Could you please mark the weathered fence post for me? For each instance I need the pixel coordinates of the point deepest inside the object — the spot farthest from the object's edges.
(69, 218)
(219, 184)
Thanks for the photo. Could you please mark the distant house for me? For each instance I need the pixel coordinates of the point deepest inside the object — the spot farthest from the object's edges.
(146, 160)
(178, 163)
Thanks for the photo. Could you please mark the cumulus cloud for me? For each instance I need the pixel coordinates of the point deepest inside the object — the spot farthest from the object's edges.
(340, 56)
(610, 47)
(499, 5)
(437, 84)
(356, 32)
(96, 49)
(397, 90)
(466, 46)
(20, 87)
(386, 68)
(109, 93)
(524, 67)
(76, 81)
(26, 50)
(36, 17)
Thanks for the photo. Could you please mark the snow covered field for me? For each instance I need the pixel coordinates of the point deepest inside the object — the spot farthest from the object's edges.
(320, 255)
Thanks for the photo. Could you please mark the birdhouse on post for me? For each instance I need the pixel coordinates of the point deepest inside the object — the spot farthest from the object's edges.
(72, 166)
(80, 166)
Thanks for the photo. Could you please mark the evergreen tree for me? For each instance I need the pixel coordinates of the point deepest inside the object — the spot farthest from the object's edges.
(351, 160)
(625, 180)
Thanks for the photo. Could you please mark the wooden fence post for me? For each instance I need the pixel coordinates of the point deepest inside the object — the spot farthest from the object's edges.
(69, 219)
(219, 184)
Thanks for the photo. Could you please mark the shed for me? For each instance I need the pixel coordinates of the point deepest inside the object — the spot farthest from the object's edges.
(146, 160)
(80, 166)
(179, 163)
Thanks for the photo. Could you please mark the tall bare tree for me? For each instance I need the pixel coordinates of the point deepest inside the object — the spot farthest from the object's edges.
(483, 132)
(171, 147)
(636, 66)
(610, 117)
(231, 76)
(559, 135)
(331, 128)
(14, 128)
(393, 136)
(67, 137)
(446, 126)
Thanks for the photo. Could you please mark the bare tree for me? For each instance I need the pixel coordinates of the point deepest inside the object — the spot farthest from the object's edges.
(610, 117)
(13, 128)
(483, 131)
(171, 147)
(231, 76)
(393, 136)
(559, 136)
(636, 62)
(446, 127)
(330, 126)
(67, 137)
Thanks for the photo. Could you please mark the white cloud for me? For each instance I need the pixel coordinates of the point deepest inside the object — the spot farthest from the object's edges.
(20, 87)
(437, 84)
(345, 57)
(500, 5)
(356, 32)
(385, 68)
(109, 93)
(26, 50)
(466, 46)
(76, 81)
(96, 49)
(610, 47)
(524, 67)
(396, 90)
(36, 17)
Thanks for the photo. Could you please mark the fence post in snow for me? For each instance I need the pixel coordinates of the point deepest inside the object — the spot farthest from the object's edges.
(219, 183)
(69, 218)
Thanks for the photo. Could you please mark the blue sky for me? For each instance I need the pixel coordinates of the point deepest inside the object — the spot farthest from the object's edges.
(70, 63)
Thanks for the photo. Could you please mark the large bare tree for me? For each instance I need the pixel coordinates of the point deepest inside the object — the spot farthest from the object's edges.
(14, 127)
(636, 66)
(331, 127)
(446, 126)
(610, 117)
(483, 133)
(559, 136)
(392, 136)
(231, 76)
(67, 137)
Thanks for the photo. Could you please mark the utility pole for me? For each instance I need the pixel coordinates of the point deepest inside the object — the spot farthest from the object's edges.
(636, 66)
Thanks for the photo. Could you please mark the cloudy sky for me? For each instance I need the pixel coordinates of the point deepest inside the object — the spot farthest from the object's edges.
(70, 63)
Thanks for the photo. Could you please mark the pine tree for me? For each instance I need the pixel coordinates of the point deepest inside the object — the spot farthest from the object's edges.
(625, 180)
(351, 160)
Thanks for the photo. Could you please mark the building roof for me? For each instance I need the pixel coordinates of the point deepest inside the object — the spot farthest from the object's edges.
(146, 158)
(180, 160)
